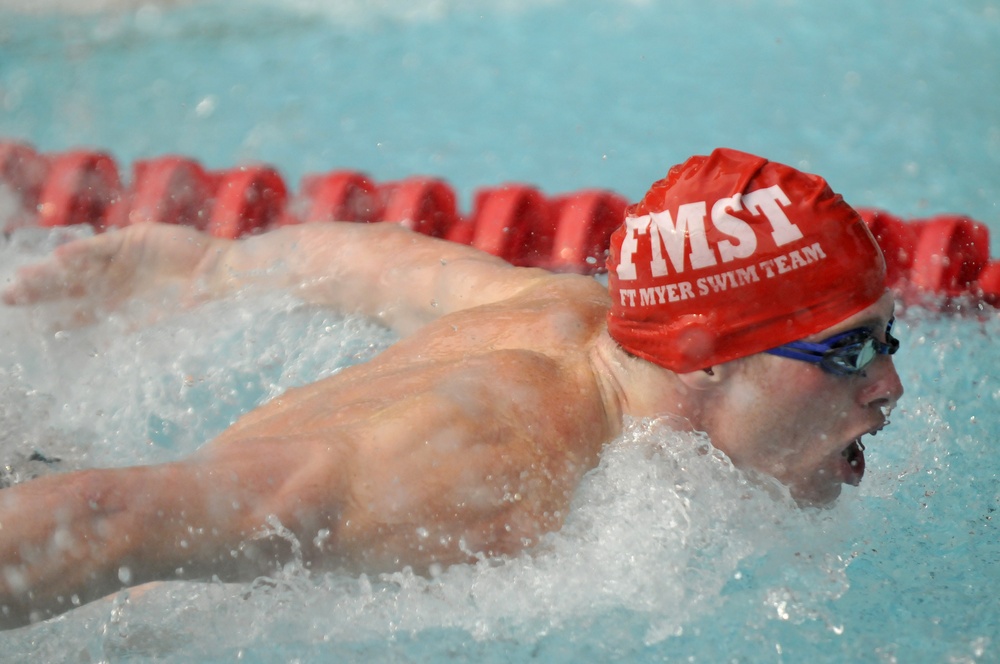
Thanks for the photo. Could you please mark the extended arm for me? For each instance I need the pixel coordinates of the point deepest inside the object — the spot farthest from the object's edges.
(383, 271)
(380, 270)
(70, 539)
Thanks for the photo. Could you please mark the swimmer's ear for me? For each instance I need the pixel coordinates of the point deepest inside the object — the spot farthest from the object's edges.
(703, 379)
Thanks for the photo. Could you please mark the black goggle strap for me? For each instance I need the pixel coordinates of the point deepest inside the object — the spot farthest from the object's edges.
(891, 344)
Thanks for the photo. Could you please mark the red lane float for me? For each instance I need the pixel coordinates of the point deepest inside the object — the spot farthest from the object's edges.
(898, 241)
(80, 187)
(336, 196)
(425, 205)
(513, 222)
(584, 224)
(170, 190)
(247, 200)
(988, 284)
(935, 258)
(22, 175)
(462, 232)
(934, 262)
(950, 253)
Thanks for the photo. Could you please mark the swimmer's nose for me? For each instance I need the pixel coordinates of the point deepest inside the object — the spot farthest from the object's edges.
(882, 387)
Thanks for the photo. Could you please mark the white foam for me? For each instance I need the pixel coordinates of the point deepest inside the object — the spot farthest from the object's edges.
(665, 529)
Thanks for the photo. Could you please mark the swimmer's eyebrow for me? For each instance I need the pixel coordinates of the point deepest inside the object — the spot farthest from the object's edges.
(875, 323)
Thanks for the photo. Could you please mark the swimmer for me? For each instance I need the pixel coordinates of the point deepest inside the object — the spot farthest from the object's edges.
(745, 299)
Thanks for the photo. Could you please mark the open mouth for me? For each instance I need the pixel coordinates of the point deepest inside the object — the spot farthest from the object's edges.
(854, 462)
(853, 466)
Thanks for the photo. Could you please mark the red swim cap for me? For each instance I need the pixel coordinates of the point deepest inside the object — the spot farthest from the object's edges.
(731, 255)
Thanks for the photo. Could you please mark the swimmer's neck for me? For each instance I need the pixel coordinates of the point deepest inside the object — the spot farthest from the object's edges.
(632, 387)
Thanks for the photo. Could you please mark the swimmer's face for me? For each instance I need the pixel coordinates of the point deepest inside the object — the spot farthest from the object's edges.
(802, 425)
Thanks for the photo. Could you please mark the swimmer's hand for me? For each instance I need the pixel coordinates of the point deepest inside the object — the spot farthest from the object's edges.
(109, 268)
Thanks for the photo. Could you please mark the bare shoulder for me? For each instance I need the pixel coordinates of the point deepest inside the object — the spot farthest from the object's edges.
(558, 316)
(534, 288)
(565, 304)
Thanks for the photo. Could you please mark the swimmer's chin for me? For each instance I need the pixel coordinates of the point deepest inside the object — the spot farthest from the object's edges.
(817, 497)
(804, 495)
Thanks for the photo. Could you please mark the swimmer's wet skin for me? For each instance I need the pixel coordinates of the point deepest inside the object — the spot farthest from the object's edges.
(469, 436)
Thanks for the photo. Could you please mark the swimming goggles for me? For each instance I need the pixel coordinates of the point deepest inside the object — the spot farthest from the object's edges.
(844, 354)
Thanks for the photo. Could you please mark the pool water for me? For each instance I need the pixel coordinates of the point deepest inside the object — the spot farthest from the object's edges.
(669, 553)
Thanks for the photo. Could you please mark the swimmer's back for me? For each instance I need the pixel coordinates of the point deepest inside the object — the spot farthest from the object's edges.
(481, 423)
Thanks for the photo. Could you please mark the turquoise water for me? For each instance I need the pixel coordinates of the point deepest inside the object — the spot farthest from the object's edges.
(669, 555)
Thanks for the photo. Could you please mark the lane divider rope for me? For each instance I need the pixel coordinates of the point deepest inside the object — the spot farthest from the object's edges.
(941, 262)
